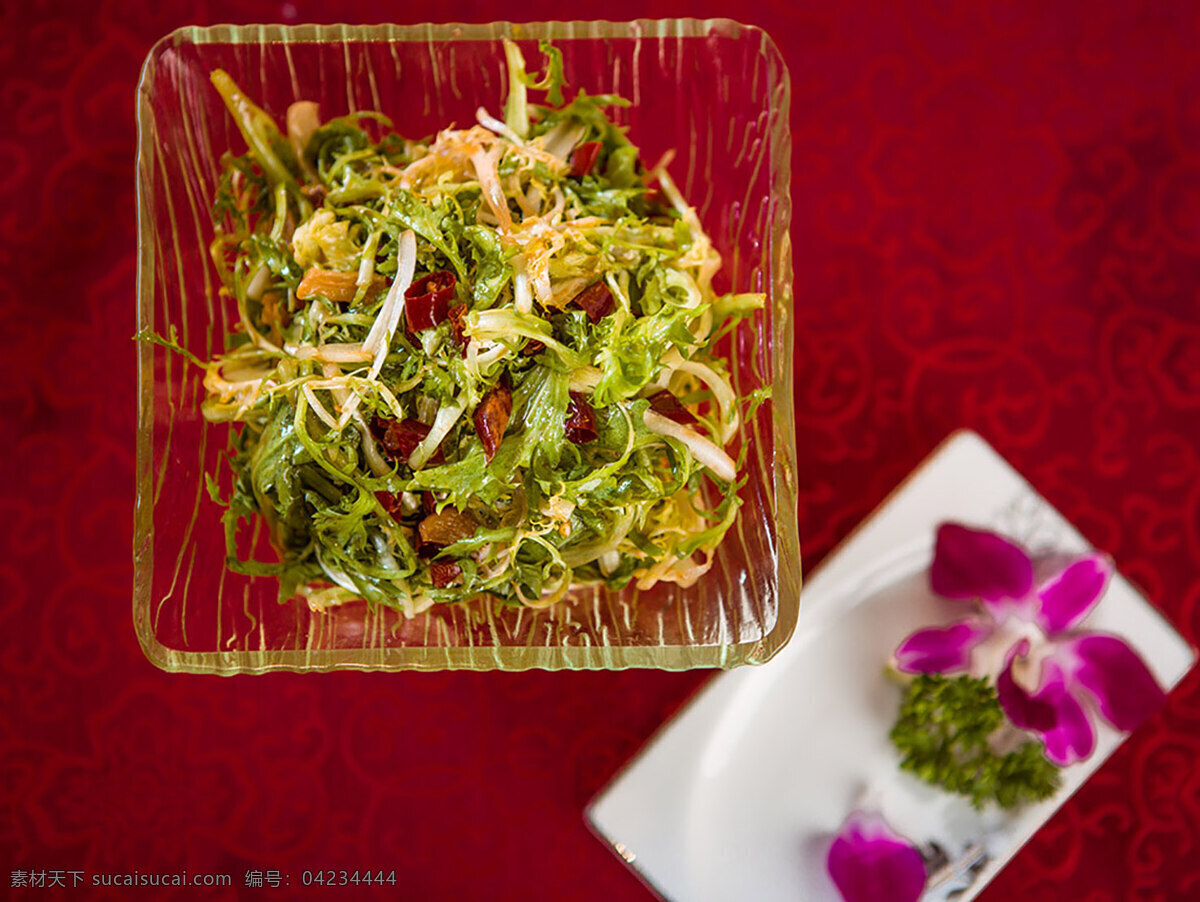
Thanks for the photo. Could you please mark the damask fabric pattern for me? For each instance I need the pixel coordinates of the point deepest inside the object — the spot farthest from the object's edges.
(997, 226)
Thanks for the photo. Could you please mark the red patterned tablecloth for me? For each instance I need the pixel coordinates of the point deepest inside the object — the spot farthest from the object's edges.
(997, 225)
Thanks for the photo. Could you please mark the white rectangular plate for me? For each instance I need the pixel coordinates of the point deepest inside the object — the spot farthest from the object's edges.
(739, 796)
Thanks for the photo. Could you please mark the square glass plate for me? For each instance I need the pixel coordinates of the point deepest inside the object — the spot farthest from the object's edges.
(740, 795)
(714, 91)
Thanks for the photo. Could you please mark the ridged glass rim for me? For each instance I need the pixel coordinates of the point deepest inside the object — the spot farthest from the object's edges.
(508, 658)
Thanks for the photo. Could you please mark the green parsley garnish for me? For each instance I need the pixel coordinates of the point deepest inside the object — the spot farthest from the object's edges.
(948, 730)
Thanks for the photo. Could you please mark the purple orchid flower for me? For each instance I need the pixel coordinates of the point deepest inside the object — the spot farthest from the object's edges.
(868, 862)
(1047, 673)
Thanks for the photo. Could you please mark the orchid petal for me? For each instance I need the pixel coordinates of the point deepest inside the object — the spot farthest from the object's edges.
(1051, 712)
(973, 563)
(1068, 596)
(868, 862)
(1125, 690)
(1025, 710)
(942, 650)
(1073, 739)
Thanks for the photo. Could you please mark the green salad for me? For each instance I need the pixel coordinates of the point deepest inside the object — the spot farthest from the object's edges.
(477, 365)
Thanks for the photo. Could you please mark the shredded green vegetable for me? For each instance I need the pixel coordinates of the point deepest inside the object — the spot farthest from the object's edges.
(564, 424)
(948, 730)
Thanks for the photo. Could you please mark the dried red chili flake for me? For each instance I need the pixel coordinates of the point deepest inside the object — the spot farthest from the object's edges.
(595, 300)
(399, 438)
(427, 300)
(581, 420)
(391, 503)
(667, 405)
(457, 315)
(443, 573)
(584, 158)
(491, 418)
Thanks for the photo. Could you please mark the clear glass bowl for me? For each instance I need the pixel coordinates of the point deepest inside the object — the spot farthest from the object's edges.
(715, 91)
